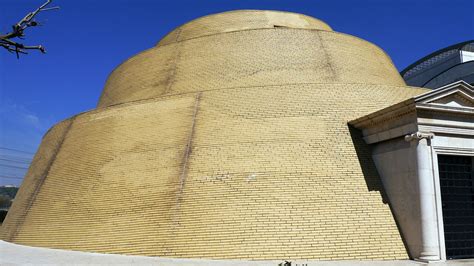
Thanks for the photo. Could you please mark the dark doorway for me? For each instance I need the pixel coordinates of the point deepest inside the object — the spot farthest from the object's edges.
(457, 196)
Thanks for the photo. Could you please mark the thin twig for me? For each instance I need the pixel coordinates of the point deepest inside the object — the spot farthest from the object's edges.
(18, 32)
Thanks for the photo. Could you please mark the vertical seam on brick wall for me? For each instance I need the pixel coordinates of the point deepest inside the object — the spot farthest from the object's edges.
(327, 56)
(189, 144)
(175, 59)
(184, 166)
(40, 183)
(178, 34)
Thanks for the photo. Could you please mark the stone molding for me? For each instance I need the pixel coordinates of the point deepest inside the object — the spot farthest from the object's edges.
(418, 136)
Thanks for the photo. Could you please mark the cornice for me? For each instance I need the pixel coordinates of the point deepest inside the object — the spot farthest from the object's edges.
(423, 102)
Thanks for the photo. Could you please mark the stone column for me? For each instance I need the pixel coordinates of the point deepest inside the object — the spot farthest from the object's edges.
(429, 221)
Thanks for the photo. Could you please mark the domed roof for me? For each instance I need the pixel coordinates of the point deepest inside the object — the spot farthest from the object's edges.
(242, 20)
(245, 49)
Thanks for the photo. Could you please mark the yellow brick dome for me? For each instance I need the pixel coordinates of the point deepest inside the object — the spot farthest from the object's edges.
(229, 139)
(245, 49)
(242, 20)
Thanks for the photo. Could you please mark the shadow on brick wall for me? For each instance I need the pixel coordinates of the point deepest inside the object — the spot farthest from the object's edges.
(371, 176)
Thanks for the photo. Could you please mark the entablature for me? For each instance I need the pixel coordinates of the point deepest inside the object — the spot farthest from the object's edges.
(447, 110)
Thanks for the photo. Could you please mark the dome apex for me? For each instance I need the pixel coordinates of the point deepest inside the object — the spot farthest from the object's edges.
(238, 20)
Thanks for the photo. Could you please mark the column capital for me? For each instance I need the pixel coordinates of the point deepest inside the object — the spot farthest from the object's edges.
(418, 136)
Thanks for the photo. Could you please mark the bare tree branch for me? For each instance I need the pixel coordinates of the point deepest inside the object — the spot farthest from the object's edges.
(18, 32)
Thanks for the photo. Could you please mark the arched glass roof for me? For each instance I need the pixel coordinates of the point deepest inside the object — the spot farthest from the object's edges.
(437, 57)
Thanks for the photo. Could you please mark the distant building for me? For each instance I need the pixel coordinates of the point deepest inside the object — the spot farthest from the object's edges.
(7, 194)
(442, 67)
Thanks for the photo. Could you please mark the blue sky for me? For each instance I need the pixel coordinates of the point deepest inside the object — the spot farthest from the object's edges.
(87, 39)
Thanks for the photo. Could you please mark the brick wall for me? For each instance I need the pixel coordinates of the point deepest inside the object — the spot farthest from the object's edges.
(256, 173)
(249, 58)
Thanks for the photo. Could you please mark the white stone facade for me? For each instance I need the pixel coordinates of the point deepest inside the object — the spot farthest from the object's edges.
(406, 139)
